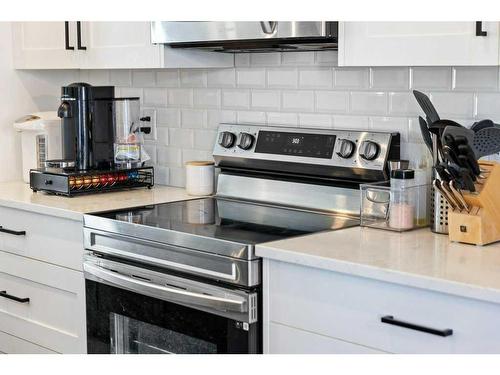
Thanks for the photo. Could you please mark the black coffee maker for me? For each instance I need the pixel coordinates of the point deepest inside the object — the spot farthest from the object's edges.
(87, 127)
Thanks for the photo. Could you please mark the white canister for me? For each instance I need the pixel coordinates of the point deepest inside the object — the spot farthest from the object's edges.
(200, 177)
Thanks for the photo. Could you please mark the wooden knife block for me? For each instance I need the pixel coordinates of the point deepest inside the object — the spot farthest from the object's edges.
(481, 225)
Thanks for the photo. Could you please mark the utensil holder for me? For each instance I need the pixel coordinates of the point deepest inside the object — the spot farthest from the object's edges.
(481, 225)
(439, 210)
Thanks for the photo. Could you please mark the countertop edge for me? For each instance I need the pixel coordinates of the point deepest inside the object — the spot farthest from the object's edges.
(381, 274)
(43, 209)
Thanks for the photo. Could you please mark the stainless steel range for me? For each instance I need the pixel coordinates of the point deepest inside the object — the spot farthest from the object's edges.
(183, 277)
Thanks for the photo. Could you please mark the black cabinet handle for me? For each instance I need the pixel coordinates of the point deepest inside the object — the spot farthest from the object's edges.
(66, 36)
(389, 319)
(479, 29)
(79, 36)
(4, 294)
(14, 232)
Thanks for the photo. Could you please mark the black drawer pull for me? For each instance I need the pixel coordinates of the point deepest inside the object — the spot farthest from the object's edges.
(14, 232)
(389, 319)
(4, 294)
(479, 29)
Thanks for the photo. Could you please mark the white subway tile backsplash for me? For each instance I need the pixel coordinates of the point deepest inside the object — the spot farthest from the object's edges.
(168, 117)
(169, 156)
(265, 99)
(207, 98)
(488, 106)
(193, 78)
(216, 117)
(298, 100)
(350, 122)
(251, 77)
(332, 101)
(236, 98)
(314, 120)
(315, 78)
(351, 78)
(370, 103)
(329, 58)
(403, 104)
(282, 118)
(143, 78)
(449, 104)
(221, 78)
(282, 77)
(155, 97)
(390, 78)
(297, 58)
(180, 97)
(431, 78)
(204, 139)
(391, 124)
(478, 77)
(120, 77)
(251, 117)
(305, 89)
(167, 78)
(265, 59)
(181, 138)
(193, 118)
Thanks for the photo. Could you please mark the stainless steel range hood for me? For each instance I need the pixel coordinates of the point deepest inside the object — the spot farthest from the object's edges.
(237, 37)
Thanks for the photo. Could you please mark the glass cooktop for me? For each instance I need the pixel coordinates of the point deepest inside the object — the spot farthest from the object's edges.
(229, 220)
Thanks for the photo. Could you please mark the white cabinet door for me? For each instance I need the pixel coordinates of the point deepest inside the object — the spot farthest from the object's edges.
(115, 45)
(42, 45)
(417, 43)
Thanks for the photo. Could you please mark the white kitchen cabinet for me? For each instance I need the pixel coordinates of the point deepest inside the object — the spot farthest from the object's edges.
(41, 260)
(102, 45)
(42, 45)
(349, 309)
(417, 44)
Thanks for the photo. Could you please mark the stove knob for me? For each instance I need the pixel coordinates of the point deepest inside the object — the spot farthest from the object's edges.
(369, 150)
(345, 148)
(226, 139)
(245, 141)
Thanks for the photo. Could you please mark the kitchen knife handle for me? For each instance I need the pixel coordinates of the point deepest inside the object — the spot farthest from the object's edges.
(479, 29)
(79, 36)
(389, 319)
(66, 37)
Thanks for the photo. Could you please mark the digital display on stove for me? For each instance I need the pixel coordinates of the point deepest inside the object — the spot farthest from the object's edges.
(296, 144)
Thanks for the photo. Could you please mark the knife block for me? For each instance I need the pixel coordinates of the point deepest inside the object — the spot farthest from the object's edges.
(480, 226)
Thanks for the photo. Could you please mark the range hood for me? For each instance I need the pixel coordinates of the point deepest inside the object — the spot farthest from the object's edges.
(238, 37)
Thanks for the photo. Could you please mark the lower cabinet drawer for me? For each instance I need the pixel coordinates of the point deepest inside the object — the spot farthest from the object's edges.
(42, 303)
(14, 345)
(288, 340)
(351, 309)
(47, 238)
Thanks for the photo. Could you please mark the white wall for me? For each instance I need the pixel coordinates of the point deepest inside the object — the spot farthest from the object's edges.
(15, 100)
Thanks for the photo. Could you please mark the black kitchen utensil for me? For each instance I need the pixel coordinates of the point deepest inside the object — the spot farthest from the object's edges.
(483, 124)
(466, 151)
(442, 172)
(459, 131)
(427, 106)
(466, 180)
(486, 141)
(426, 135)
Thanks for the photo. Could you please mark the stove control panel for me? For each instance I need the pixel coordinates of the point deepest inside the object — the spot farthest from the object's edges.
(250, 145)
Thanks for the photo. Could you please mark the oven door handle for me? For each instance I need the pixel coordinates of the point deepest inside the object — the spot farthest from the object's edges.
(164, 292)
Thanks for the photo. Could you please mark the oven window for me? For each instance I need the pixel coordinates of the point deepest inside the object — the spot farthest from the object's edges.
(131, 336)
(121, 321)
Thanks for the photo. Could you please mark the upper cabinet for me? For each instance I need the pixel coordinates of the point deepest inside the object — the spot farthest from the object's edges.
(418, 43)
(101, 45)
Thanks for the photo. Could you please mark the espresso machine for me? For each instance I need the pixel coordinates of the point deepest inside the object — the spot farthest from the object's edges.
(97, 156)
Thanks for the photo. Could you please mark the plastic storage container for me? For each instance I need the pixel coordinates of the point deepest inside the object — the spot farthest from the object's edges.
(398, 208)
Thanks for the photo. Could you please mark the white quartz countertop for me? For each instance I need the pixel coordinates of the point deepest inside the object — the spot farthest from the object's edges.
(19, 195)
(417, 258)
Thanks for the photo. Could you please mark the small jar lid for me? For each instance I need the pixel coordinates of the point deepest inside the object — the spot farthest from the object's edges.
(200, 163)
(403, 174)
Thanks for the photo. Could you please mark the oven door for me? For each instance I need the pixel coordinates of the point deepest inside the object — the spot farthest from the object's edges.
(133, 310)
